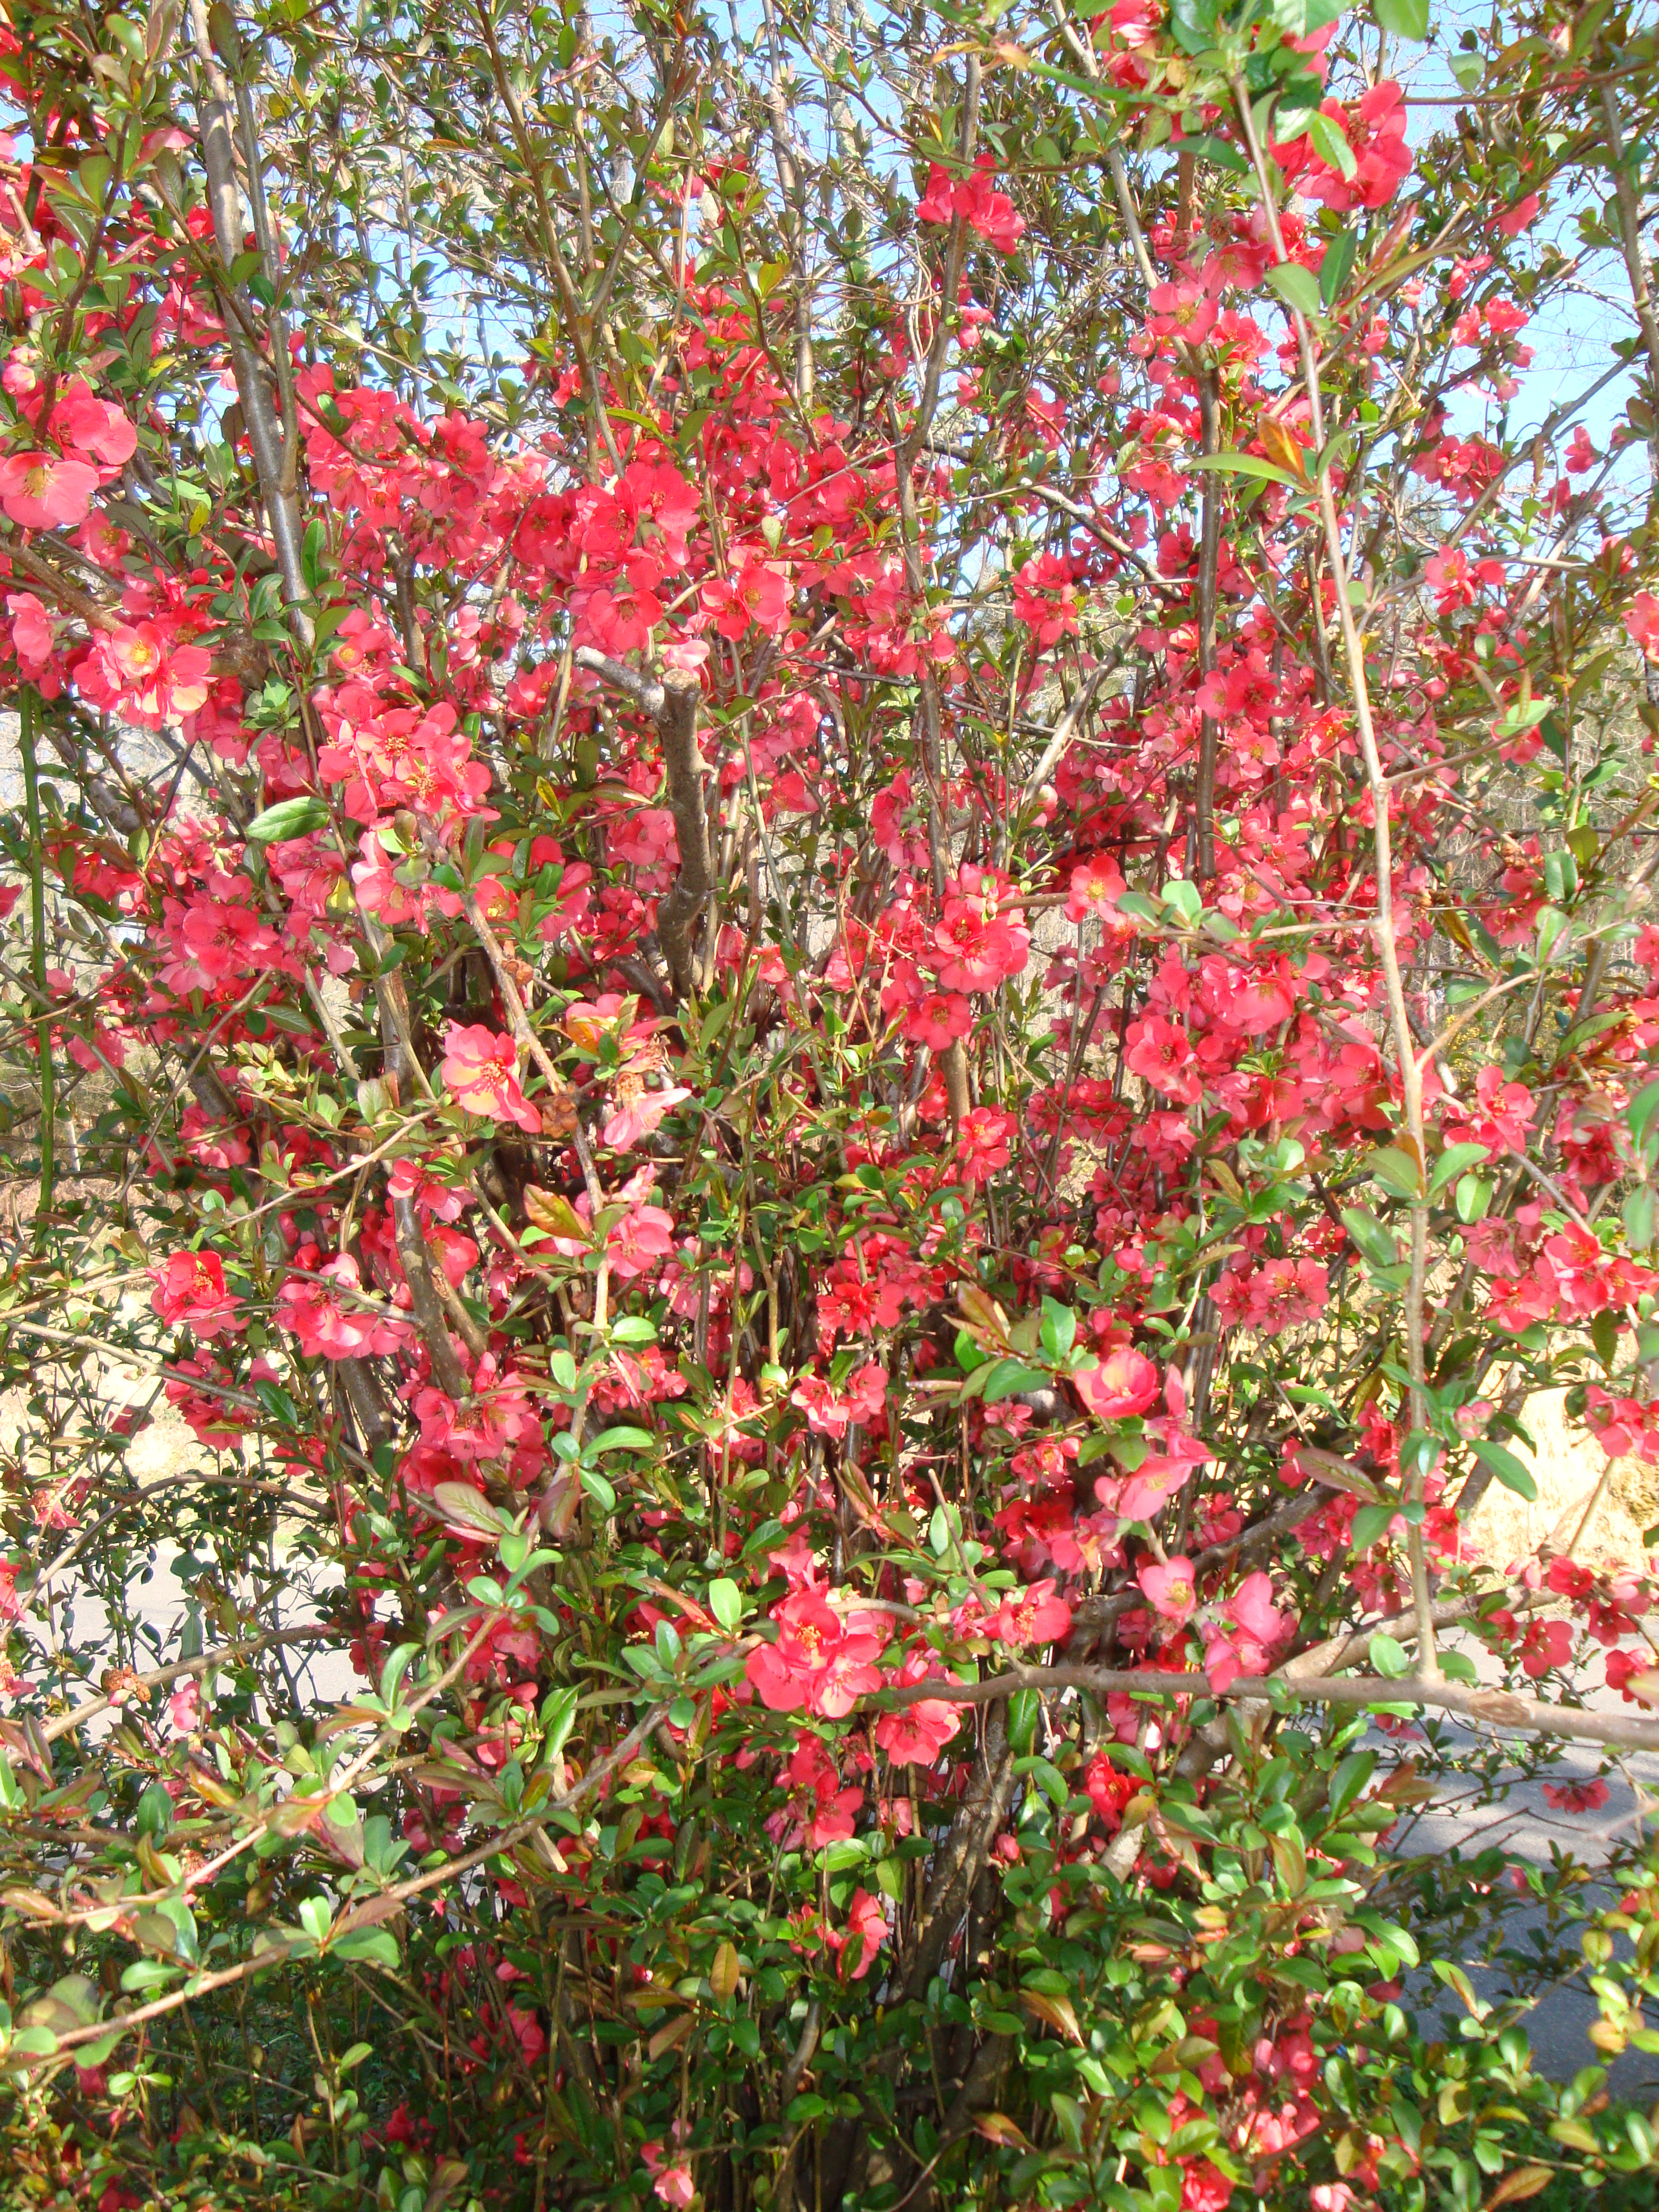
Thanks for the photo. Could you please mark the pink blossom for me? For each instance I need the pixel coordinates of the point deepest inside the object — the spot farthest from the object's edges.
(864, 1935)
(831, 1415)
(40, 492)
(332, 1318)
(915, 1735)
(757, 591)
(822, 1811)
(1245, 1643)
(1520, 217)
(33, 634)
(1096, 888)
(148, 674)
(1375, 128)
(90, 425)
(1642, 621)
(1162, 1055)
(978, 945)
(983, 1137)
(673, 2183)
(989, 212)
(629, 1125)
(1169, 1587)
(1123, 1384)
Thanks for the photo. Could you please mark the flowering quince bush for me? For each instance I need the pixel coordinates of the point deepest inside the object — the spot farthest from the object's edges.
(829, 932)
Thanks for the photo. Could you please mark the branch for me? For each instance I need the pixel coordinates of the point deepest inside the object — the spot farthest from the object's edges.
(1486, 1708)
(1209, 560)
(378, 1908)
(1630, 231)
(644, 690)
(159, 1677)
(672, 704)
(447, 1371)
(1405, 1043)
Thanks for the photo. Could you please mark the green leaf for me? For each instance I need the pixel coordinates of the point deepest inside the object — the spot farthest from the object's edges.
(1370, 1522)
(1388, 1658)
(726, 1603)
(1192, 24)
(1010, 1376)
(1330, 144)
(1059, 1328)
(463, 1507)
(1186, 898)
(599, 1489)
(1638, 1212)
(1474, 1197)
(558, 1719)
(1374, 1241)
(1407, 19)
(1242, 464)
(1396, 1169)
(1452, 1162)
(373, 1945)
(289, 818)
(1349, 1778)
(621, 1440)
(1641, 1111)
(1297, 286)
(968, 1354)
(1338, 266)
(1510, 1471)
(1560, 875)
(1024, 1711)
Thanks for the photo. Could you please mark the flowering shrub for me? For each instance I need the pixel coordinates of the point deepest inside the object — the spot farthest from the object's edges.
(827, 928)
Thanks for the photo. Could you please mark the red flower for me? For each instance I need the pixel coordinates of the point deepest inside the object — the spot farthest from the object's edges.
(1642, 621)
(864, 1935)
(629, 1125)
(758, 590)
(916, 1735)
(989, 212)
(1162, 1055)
(1124, 1383)
(1375, 128)
(978, 945)
(1576, 1796)
(821, 1660)
(481, 1071)
(1096, 888)
(1204, 2187)
(144, 673)
(189, 1293)
(1031, 1616)
(1245, 1645)
(983, 1142)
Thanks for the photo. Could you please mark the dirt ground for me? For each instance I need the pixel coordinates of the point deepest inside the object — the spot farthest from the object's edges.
(1569, 1468)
